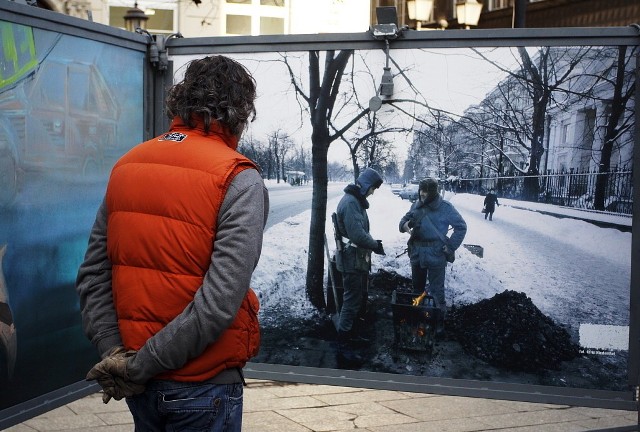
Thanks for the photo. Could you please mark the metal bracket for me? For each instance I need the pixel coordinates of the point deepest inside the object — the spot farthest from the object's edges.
(157, 48)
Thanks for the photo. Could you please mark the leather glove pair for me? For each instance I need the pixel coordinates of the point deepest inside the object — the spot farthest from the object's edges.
(379, 250)
(112, 375)
(418, 300)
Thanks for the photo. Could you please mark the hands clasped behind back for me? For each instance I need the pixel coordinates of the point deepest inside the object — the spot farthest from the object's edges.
(112, 375)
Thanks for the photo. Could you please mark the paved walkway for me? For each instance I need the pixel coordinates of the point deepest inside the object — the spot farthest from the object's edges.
(271, 406)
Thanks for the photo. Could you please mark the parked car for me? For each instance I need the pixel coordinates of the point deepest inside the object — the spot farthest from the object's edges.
(409, 192)
(396, 188)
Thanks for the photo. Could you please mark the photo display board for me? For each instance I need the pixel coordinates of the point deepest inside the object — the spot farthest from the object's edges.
(69, 107)
(539, 297)
(542, 299)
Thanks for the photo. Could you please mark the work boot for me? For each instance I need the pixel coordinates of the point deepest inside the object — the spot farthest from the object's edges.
(346, 354)
(359, 339)
(355, 337)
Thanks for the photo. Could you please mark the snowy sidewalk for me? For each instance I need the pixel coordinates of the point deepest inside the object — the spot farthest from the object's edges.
(605, 218)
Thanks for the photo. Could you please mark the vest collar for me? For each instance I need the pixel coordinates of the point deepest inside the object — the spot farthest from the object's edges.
(214, 129)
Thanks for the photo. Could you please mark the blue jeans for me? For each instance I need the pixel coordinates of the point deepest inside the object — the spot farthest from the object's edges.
(172, 406)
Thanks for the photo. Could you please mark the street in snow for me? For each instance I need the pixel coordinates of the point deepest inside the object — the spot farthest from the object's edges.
(576, 273)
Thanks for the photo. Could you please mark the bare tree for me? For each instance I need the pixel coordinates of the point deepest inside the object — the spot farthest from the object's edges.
(320, 100)
(546, 77)
(391, 170)
(301, 160)
(370, 149)
(280, 144)
(254, 150)
(338, 172)
(493, 136)
(623, 83)
(436, 145)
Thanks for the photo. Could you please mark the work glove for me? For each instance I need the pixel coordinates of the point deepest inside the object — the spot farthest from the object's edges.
(379, 250)
(418, 300)
(112, 375)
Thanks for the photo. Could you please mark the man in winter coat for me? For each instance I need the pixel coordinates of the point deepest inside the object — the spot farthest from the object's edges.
(490, 202)
(427, 217)
(354, 258)
(164, 286)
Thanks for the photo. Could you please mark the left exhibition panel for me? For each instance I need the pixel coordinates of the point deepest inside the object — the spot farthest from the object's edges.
(71, 103)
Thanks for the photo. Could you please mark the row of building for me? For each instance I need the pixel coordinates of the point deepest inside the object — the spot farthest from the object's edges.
(201, 18)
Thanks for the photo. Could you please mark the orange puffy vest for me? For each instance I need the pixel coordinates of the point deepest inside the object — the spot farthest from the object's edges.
(163, 200)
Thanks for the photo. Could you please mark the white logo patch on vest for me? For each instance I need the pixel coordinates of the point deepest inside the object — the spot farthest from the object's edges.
(173, 136)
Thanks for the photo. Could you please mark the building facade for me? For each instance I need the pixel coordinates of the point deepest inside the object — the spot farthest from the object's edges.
(537, 13)
(202, 18)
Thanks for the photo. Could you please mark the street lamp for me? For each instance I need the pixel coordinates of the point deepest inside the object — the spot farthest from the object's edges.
(135, 18)
(419, 10)
(468, 12)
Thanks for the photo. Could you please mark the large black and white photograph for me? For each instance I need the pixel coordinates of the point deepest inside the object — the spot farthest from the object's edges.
(529, 150)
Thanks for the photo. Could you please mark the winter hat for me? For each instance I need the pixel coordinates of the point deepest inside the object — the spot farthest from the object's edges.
(369, 178)
(429, 185)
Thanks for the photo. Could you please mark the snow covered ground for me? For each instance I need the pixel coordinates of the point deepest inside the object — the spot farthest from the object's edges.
(575, 272)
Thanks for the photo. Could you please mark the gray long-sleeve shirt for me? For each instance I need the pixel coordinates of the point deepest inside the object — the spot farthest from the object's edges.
(236, 252)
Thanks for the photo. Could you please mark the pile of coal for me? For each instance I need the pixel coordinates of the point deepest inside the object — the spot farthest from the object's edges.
(387, 282)
(509, 331)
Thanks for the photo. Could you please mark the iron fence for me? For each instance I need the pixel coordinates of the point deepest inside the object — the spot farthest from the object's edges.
(571, 189)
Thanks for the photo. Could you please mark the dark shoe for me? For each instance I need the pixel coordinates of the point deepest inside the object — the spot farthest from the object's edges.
(360, 341)
(342, 337)
(346, 354)
(351, 337)
(358, 338)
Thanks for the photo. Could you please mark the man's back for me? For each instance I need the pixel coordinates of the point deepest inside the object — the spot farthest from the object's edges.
(186, 215)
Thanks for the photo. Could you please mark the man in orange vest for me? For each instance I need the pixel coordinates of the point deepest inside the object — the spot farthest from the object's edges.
(164, 286)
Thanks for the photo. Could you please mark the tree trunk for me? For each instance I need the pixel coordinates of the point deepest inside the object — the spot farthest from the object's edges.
(323, 94)
(618, 104)
(531, 182)
(540, 94)
(315, 259)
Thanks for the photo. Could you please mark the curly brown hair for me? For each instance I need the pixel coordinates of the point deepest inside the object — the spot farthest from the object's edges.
(214, 89)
